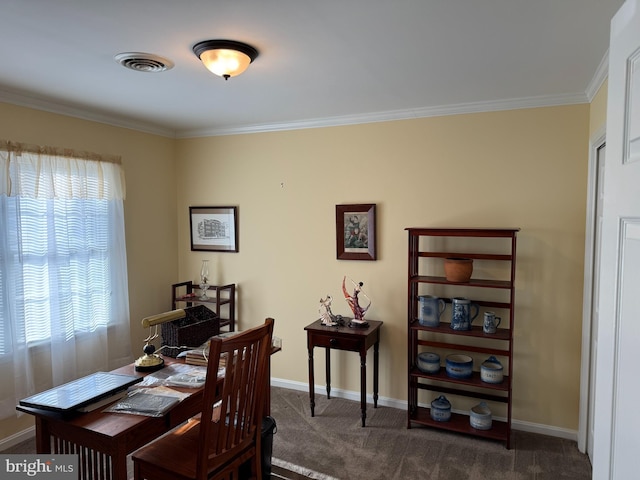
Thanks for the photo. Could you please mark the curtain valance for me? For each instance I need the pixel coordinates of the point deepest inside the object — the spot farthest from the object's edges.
(50, 172)
(19, 148)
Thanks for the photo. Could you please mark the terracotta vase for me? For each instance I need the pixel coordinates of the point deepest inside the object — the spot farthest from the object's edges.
(458, 269)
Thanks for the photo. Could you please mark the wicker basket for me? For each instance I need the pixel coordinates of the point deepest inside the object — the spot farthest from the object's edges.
(193, 330)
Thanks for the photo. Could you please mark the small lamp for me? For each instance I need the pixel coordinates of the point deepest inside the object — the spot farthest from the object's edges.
(151, 361)
(225, 58)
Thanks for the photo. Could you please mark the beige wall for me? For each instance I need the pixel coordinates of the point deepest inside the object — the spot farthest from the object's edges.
(524, 168)
(150, 206)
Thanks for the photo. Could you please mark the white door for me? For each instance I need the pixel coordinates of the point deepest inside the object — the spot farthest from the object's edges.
(617, 422)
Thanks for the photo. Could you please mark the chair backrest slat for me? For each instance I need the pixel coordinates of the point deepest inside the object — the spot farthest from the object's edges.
(237, 421)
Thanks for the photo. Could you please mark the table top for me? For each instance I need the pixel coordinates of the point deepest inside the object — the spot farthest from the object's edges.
(114, 424)
(318, 327)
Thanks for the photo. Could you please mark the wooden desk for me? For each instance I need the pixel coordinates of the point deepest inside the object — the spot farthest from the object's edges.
(350, 339)
(104, 440)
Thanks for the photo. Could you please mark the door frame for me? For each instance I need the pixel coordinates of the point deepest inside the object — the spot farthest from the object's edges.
(591, 257)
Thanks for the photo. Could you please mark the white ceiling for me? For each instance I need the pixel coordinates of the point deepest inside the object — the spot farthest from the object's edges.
(323, 62)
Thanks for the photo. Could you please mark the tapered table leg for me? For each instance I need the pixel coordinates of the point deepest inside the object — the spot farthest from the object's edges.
(328, 370)
(363, 386)
(312, 397)
(375, 374)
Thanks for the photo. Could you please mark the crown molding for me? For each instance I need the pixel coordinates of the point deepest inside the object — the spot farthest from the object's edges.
(408, 114)
(37, 103)
(344, 120)
(602, 72)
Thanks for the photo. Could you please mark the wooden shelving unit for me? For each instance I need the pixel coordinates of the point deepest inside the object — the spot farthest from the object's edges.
(222, 300)
(442, 338)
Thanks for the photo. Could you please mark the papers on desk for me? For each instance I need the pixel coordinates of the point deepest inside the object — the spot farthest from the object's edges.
(188, 380)
(177, 375)
(151, 402)
(154, 396)
(200, 355)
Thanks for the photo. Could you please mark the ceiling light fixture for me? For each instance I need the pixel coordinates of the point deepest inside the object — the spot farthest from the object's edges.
(225, 58)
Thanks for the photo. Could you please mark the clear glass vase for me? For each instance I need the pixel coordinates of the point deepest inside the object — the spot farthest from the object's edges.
(204, 279)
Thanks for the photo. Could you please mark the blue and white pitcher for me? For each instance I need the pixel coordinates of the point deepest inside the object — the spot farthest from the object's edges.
(429, 310)
(461, 313)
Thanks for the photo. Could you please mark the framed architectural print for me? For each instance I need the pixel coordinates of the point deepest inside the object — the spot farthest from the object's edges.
(214, 229)
(356, 232)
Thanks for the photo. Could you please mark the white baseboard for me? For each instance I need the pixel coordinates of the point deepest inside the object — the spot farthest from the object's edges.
(550, 430)
(17, 438)
(402, 405)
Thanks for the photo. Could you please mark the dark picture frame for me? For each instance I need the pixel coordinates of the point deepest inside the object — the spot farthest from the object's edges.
(214, 229)
(356, 231)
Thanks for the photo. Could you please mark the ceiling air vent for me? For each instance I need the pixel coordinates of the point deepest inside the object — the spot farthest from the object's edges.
(143, 62)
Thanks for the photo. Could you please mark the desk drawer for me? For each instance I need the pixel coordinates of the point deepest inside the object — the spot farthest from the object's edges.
(339, 343)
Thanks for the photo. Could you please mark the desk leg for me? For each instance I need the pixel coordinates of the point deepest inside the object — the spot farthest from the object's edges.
(363, 386)
(312, 399)
(43, 440)
(327, 365)
(375, 374)
(119, 464)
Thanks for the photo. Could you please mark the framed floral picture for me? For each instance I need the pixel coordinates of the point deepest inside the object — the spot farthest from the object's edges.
(356, 232)
(214, 229)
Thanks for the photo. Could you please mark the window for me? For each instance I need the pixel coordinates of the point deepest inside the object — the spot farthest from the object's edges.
(63, 278)
(63, 258)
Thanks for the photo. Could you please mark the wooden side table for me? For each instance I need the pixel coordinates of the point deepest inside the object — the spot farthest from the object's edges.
(349, 339)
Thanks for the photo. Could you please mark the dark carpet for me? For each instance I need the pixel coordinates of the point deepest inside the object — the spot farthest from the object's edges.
(335, 444)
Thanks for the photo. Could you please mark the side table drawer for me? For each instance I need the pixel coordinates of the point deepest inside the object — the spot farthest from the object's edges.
(339, 343)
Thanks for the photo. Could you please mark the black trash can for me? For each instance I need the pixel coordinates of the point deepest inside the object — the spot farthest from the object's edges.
(268, 429)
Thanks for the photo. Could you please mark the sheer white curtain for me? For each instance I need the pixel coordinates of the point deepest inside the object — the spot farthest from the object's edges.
(64, 304)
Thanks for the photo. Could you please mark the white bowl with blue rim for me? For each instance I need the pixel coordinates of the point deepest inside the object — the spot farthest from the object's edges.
(491, 370)
(480, 417)
(458, 365)
(441, 409)
(428, 362)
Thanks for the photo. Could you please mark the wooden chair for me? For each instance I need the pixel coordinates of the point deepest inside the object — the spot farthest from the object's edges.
(227, 433)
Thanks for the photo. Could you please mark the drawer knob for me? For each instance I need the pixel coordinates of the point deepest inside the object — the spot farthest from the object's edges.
(333, 342)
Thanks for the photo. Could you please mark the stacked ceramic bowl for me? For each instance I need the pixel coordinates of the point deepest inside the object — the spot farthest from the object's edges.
(459, 366)
(441, 409)
(428, 362)
(491, 370)
(480, 417)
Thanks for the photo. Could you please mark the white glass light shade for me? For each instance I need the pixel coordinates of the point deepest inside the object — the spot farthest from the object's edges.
(226, 58)
(224, 62)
